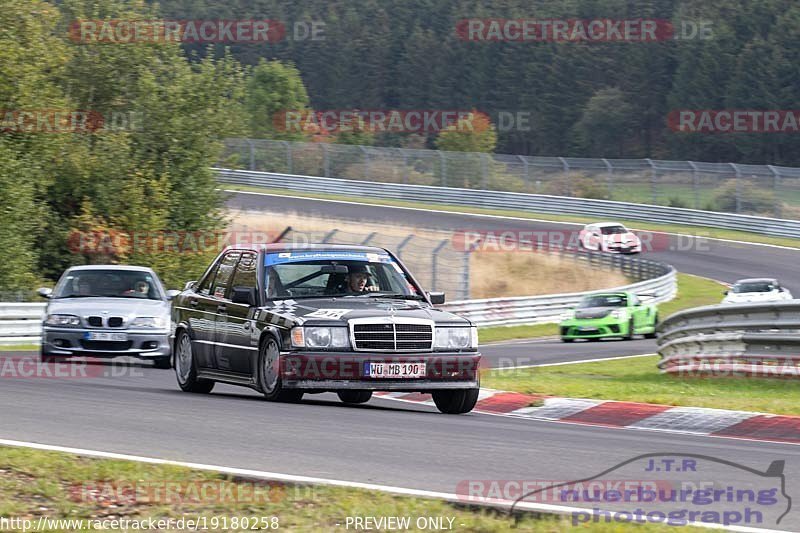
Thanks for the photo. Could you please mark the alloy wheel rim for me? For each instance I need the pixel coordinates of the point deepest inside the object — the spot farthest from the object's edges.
(270, 367)
(183, 361)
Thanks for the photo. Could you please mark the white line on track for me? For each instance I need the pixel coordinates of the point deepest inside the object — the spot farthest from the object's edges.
(289, 478)
(503, 217)
(600, 360)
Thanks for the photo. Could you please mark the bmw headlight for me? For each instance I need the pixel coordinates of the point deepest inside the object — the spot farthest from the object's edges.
(456, 338)
(317, 337)
(62, 321)
(160, 322)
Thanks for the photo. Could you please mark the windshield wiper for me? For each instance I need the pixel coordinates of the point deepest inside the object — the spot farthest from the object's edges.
(394, 296)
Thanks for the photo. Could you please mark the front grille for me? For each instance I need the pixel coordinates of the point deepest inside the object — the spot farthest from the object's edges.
(106, 346)
(393, 337)
(115, 322)
(95, 321)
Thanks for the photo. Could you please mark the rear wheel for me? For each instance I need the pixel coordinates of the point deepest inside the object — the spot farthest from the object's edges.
(355, 396)
(269, 376)
(185, 368)
(455, 402)
(653, 335)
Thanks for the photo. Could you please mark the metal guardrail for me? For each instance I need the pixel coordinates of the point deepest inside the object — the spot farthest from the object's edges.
(548, 309)
(602, 209)
(765, 190)
(21, 323)
(723, 340)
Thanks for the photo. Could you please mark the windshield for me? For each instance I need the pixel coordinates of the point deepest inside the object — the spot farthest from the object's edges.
(608, 300)
(613, 230)
(108, 284)
(304, 275)
(753, 287)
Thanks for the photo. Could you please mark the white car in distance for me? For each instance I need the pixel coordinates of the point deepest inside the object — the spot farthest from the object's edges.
(609, 237)
(756, 290)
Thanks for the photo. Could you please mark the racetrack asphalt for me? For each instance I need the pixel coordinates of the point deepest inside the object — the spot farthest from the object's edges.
(139, 410)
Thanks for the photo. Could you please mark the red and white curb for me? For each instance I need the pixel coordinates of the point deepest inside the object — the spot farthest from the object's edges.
(629, 415)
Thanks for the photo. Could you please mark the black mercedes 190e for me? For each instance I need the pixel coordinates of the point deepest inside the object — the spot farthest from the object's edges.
(288, 320)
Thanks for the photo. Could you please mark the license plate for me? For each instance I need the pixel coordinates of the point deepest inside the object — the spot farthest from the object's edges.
(394, 370)
(105, 336)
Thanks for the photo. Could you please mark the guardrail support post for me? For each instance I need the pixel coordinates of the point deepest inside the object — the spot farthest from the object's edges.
(326, 161)
(609, 179)
(695, 184)
(484, 171)
(366, 162)
(738, 187)
(252, 154)
(443, 163)
(289, 162)
(435, 264)
(369, 238)
(565, 166)
(525, 164)
(405, 166)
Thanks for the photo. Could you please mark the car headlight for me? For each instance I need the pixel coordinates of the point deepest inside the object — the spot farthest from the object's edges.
(320, 337)
(62, 320)
(150, 322)
(618, 314)
(456, 338)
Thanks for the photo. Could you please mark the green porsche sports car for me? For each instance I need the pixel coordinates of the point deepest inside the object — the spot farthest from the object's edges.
(617, 314)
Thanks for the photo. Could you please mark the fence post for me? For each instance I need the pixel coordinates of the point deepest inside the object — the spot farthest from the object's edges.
(403, 244)
(366, 162)
(565, 166)
(738, 187)
(609, 179)
(435, 264)
(329, 236)
(444, 168)
(695, 184)
(776, 187)
(289, 162)
(527, 169)
(252, 154)
(484, 171)
(405, 165)
(326, 160)
(653, 181)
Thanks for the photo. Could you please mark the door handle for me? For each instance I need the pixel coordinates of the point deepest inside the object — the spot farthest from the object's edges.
(222, 308)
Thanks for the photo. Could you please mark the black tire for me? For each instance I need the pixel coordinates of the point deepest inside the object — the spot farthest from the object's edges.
(629, 336)
(355, 396)
(455, 402)
(270, 384)
(564, 339)
(162, 363)
(186, 369)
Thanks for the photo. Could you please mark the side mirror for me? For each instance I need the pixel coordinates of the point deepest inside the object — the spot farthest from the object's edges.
(437, 298)
(189, 285)
(172, 293)
(44, 292)
(244, 295)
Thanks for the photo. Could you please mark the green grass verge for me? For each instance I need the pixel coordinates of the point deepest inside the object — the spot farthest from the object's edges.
(670, 228)
(693, 291)
(638, 380)
(61, 486)
(20, 347)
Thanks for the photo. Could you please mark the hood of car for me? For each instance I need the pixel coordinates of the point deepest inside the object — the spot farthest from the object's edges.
(594, 312)
(325, 310)
(621, 238)
(754, 297)
(126, 307)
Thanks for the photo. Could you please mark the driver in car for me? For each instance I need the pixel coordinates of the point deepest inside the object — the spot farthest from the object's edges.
(357, 280)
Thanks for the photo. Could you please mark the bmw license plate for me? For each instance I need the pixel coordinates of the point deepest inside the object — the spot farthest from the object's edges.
(394, 370)
(105, 336)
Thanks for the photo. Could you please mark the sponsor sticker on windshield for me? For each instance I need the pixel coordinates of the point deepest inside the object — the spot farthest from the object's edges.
(297, 257)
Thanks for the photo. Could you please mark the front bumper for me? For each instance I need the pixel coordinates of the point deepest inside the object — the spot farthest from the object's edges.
(346, 370)
(593, 328)
(72, 342)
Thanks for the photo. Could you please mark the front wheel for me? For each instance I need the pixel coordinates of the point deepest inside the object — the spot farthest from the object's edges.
(456, 402)
(629, 336)
(185, 368)
(269, 375)
(355, 396)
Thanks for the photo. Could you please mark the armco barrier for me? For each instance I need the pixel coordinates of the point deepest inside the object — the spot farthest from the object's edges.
(547, 309)
(760, 340)
(21, 323)
(603, 209)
